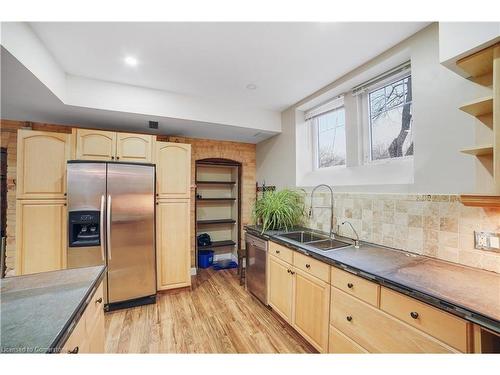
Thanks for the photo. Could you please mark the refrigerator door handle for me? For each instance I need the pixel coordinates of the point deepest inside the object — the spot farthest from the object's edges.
(101, 226)
(108, 226)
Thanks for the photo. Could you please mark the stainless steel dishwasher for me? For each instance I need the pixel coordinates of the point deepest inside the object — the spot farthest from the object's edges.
(256, 267)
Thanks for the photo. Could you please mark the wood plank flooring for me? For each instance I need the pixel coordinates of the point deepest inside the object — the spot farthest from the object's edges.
(216, 315)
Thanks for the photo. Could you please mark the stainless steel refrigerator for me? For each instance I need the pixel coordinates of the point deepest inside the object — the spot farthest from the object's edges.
(111, 221)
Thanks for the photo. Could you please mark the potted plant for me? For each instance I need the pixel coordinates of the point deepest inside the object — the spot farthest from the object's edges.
(279, 210)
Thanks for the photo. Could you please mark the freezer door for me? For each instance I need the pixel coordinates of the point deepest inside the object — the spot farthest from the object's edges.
(131, 232)
(86, 193)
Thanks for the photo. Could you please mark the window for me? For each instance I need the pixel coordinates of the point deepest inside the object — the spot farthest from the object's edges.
(330, 138)
(390, 120)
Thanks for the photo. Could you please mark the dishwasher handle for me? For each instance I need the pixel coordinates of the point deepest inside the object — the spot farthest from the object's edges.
(256, 241)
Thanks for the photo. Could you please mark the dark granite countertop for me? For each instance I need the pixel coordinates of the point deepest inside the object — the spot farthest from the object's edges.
(467, 292)
(39, 311)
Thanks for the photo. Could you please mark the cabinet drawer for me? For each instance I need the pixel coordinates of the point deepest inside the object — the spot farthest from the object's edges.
(356, 286)
(377, 331)
(312, 266)
(437, 323)
(94, 309)
(280, 252)
(341, 344)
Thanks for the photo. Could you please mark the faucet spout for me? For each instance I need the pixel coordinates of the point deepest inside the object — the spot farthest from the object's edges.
(311, 208)
(356, 241)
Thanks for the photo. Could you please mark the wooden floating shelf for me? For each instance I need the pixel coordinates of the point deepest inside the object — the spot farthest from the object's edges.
(479, 66)
(479, 107)
(479, 150)
(476, 200)
(216, 182)
(216, 221)
(215, 199)
(218, 244)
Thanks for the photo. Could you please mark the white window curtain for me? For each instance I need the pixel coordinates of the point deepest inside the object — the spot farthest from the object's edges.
(330, 105)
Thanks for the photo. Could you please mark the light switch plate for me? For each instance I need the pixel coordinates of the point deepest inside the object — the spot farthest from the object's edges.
(487, 241)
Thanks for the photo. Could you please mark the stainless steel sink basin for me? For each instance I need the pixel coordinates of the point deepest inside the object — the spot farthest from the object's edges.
(328, 244)
(315, 240)
(303, 236)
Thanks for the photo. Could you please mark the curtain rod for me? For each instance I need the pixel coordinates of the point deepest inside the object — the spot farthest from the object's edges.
(400, 68)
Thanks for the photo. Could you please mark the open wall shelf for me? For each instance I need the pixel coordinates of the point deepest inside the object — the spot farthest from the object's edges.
(479, 150)
(483, 68)
(218, 205)
(479, 107)
(479, 66)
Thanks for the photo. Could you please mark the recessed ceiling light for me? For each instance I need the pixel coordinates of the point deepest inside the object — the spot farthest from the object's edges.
(251, 86)
(131, 61)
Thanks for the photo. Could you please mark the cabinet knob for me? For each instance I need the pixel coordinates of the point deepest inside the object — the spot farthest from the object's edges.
(350, 285)
(117, 158)
(74, 351)
(277, 251)
(288, 271)
(308, 266)
(414, 314)
(99, 300)
(349, 318)
(112, 158)
(292, 272)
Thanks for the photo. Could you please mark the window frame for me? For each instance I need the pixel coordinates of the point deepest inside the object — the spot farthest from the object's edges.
(365, 114)
(315, 140)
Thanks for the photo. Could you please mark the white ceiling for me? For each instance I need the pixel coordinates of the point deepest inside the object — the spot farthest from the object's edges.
(25, 98)
(287, 61)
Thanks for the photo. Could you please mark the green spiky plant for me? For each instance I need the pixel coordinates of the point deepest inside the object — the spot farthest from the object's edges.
(279, 210)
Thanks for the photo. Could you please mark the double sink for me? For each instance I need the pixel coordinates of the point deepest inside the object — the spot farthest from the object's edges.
(314, 240)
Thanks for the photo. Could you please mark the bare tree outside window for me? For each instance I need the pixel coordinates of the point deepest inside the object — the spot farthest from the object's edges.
(390, 111)
(331, 138)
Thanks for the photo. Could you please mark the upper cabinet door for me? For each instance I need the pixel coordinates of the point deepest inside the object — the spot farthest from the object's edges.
(134, 147)
(173, 170)
(95, 145)
(41, 164)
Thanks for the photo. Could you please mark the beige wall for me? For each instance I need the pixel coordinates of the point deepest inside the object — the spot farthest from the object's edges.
(201, 149)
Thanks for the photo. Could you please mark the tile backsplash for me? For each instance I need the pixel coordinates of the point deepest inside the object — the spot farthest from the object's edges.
(438, 226)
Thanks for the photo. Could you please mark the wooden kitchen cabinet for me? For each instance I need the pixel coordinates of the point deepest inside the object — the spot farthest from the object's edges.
(88, 334)
(41, 164)
(117, 146)
(95, 144)
(40, 235)
(173, 244)
(376, 331)
(311, 309)
(173, 170)
(280, 292)
(132, 147)
(341, 344)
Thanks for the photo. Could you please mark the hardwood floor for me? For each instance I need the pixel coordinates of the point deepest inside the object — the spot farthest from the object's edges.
(216, 315)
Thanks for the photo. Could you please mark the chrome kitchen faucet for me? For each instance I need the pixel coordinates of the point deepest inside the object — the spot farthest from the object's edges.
(332, 235)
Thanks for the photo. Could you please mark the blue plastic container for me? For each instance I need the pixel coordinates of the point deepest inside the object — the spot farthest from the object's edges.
(205, 258)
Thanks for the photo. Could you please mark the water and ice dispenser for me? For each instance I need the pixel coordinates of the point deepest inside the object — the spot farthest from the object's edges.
(84, 228)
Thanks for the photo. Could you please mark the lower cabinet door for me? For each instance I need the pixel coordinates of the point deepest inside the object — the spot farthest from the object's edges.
(96, 335)
(173, 244)
(280, 287)
(311, 309)
(40, 235)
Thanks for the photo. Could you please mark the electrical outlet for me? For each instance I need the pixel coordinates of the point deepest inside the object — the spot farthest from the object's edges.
(487, 241)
